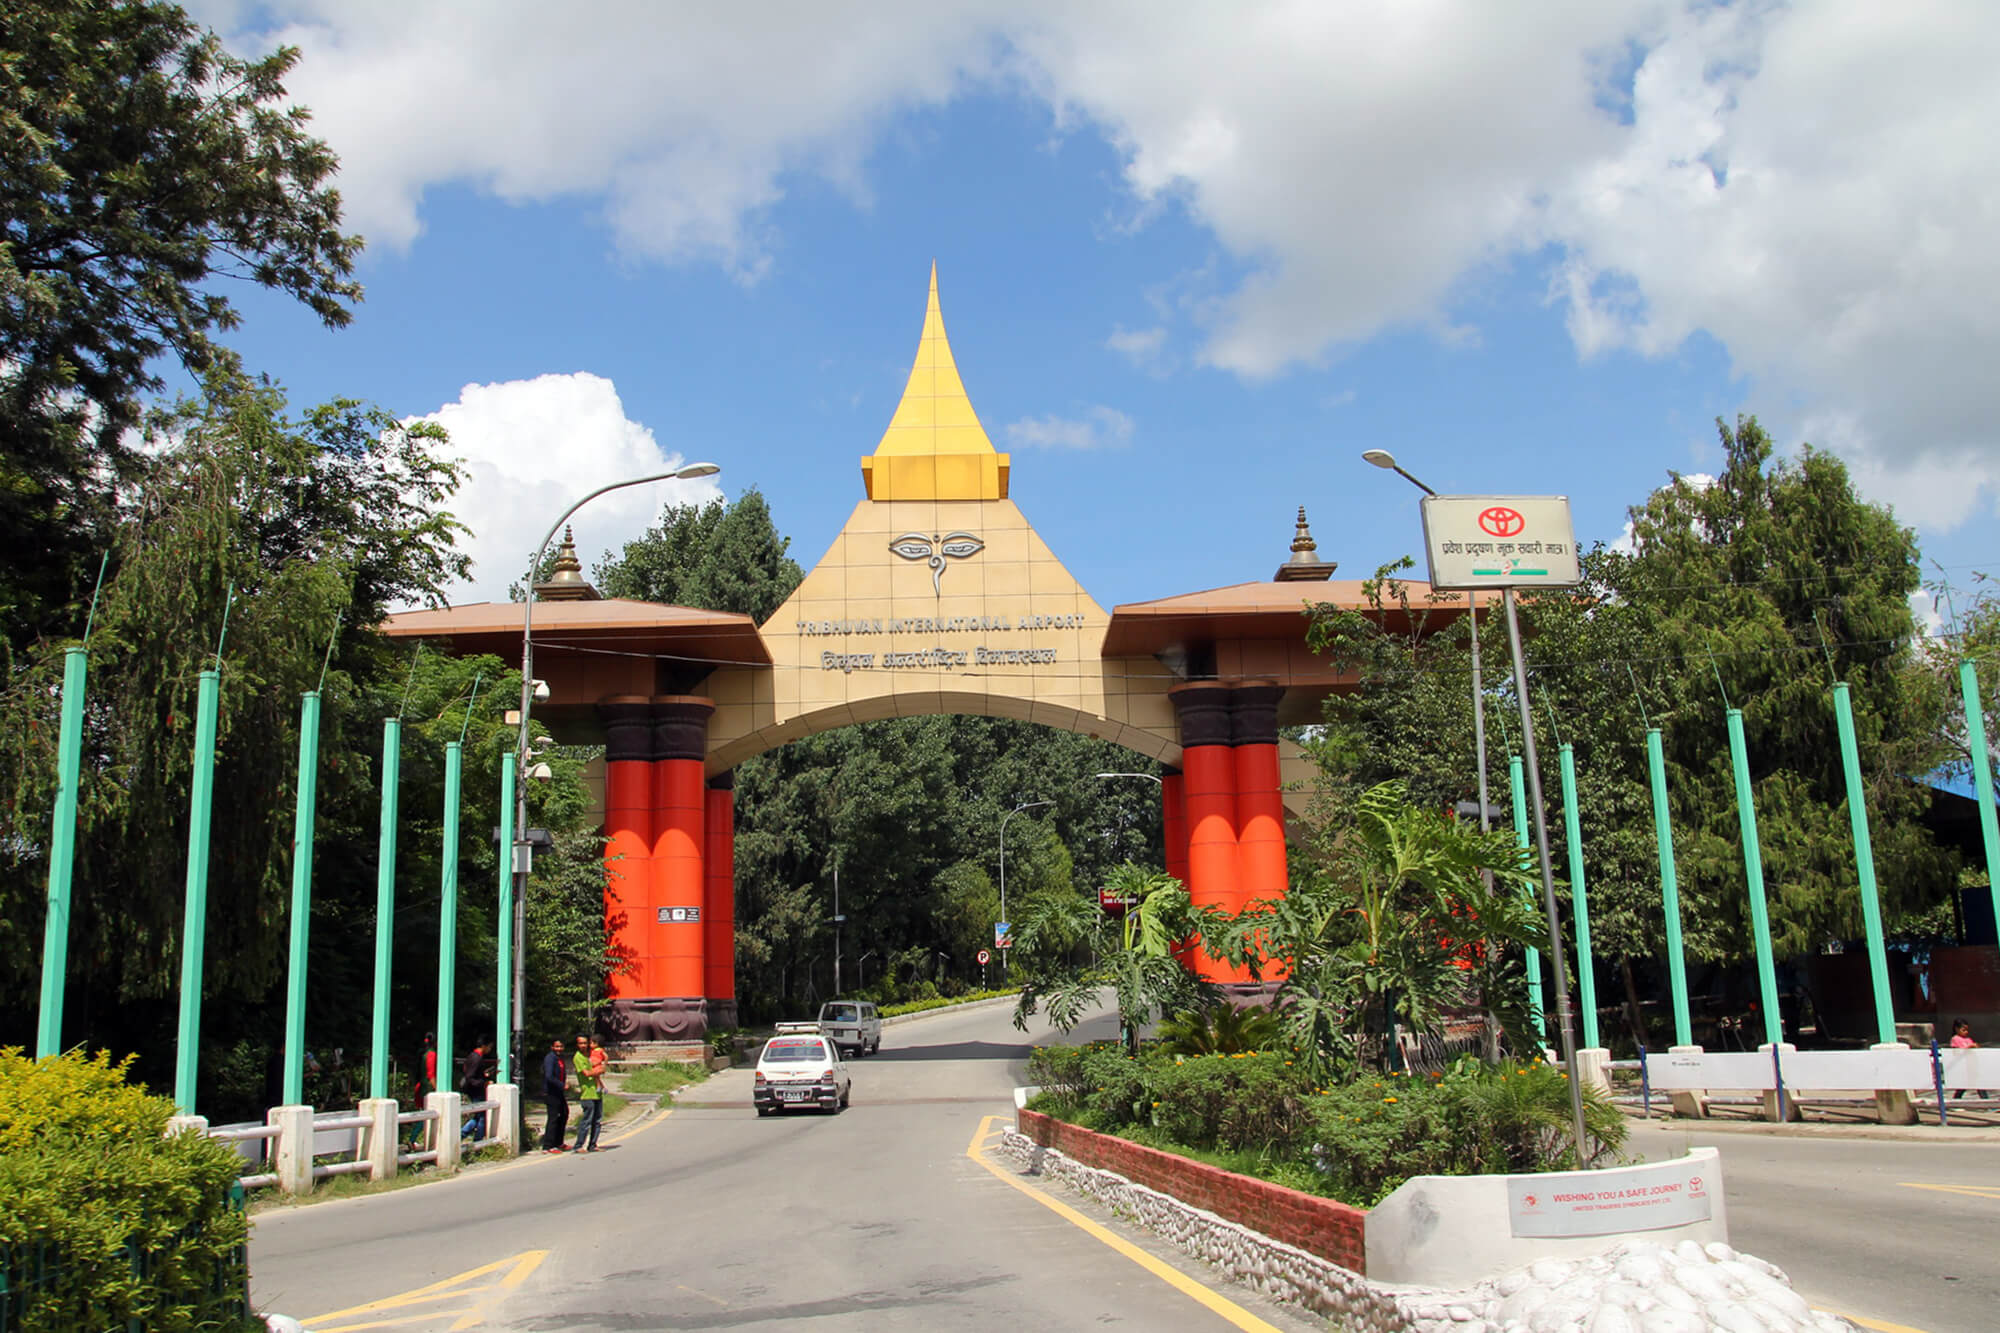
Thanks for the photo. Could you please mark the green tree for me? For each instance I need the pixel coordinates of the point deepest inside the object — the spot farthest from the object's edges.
(1068, 950)
(715, 556)
(142, 168)
(317, 523)
(1393, 924)
(1772, 581)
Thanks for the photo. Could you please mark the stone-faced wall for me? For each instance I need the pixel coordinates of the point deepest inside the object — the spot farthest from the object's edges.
(1325, 1227)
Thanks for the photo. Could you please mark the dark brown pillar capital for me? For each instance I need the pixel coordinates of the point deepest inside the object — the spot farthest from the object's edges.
(1253, 713)
(680, 726)
(723, 781)
(1203, 709)
(628, 727)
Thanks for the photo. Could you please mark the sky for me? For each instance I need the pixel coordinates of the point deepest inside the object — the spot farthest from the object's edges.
(1193, 259)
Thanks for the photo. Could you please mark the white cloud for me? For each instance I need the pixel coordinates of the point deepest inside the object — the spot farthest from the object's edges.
(1930, 620)
(1144, 348)
(534, 447)
(1814, 186)
(1099, 427)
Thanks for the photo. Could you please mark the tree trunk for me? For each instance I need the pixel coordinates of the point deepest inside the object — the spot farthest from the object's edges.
(1634, 1016)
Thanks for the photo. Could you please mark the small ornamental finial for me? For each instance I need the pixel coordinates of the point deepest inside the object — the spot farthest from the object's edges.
(1302, 540)
(1305, 564)
(566, 582)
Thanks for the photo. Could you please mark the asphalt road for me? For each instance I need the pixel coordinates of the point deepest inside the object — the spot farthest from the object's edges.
(1901, 1233)
(711, 1218)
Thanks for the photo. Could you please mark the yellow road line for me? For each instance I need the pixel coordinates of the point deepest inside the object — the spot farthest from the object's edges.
(1974, 1191)
(1167, 1273)
(1880, 1325)
(456, 1287)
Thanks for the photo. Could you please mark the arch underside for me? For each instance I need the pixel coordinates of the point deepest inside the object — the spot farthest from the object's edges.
(726, 753)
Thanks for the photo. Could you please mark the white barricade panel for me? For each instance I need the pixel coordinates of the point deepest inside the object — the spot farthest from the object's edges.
(1976, 1068)
(1807, 1071)
(1727, 1071)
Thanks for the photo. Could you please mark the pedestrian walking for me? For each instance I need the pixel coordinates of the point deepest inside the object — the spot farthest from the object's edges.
(555, 1079)
(1961, 1040)
(589, 1093)
(473, 1079)
(427, 1079)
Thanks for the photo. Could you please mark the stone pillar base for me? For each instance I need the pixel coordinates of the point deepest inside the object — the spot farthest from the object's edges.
(666, 1018)
(506, 1113)
(442, 1137)
(1770, 1099)
(1692, 1103)
(1593, 1067)
(721, 1014)
(1893, 1105)
(293, 1156)
(378, 1140)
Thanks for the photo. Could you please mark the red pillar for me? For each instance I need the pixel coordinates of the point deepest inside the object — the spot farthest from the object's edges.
(1260, 803)
(680, 802)
(718, 908)
(1173, 817)
(1208, 776)
(628, 851)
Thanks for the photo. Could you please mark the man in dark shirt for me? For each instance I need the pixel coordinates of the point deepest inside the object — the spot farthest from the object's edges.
(555, 1077)
(473, 1078)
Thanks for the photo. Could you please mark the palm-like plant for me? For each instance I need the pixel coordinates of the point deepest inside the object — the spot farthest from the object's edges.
(1070, 950)
(1394, 918)
(1222, 1030)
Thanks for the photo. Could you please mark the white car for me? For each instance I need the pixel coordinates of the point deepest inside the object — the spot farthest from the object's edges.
(800, 1069)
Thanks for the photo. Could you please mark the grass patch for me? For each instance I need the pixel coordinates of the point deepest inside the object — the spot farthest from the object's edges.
(665, 1077)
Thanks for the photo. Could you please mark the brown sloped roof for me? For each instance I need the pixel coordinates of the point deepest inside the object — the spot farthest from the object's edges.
(612, 624)
(1244, 611)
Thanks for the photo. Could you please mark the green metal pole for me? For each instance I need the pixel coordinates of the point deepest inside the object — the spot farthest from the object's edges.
(62, 854)
(454, 763)
(503, 1001)
(194, 927)
(1753, 874)
(1982, 777)
(1531, 958)
(1586, 980)
(1670, 889)
(385, 905)
(1864, 866)
(302, 862)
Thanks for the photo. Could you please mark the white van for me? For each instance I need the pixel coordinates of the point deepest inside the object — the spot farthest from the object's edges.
(852, 1025)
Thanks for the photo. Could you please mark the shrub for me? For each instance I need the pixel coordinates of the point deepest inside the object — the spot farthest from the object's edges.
(936, 1001)
(664, 1077)
(1058, 1072)
(1356, 1141)
(1229, 1102)
(108, 1222)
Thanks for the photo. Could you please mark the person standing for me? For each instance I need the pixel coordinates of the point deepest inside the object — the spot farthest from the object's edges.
(429, 1078)
(589, 1093)
(555, 1079)
(1961, 1040)
(472, 1084)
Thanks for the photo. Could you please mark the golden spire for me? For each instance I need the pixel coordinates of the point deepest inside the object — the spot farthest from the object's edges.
(1305, 564)
(935, 448)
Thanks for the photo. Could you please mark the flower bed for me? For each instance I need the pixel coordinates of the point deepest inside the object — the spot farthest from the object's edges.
(1262, 1114)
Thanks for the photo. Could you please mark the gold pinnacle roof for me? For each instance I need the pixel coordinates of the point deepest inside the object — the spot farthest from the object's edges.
(935, 448)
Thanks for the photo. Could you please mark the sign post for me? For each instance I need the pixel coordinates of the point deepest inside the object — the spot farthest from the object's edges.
(1511, 542)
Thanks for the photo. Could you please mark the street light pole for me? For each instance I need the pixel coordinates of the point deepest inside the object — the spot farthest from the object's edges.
(1025, 805)
(516, 865)
(1384, 459)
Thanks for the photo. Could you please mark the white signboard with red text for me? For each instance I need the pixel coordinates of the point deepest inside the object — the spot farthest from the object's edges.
(1500, 541)
(1604, 1203)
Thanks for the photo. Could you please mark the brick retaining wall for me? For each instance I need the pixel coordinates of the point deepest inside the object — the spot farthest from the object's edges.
(1325, 1227)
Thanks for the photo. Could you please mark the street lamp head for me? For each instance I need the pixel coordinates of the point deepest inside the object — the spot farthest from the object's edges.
(693, 470)
(1381, 458)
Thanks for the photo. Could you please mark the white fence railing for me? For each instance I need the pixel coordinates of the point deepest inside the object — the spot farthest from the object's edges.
(296, 1146)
